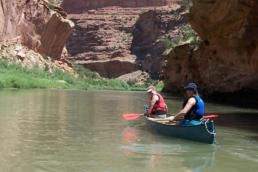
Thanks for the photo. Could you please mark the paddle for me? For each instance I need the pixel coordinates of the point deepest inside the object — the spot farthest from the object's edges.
(210, 116)
(135, 116)
(132, 116)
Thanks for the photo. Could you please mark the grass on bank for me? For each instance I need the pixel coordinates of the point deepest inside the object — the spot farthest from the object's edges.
(16, 76)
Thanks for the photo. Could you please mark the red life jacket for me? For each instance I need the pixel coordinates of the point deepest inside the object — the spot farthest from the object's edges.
(160, 105)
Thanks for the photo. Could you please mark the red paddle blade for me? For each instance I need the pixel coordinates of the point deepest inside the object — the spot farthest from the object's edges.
(211, 116)
(131, 116)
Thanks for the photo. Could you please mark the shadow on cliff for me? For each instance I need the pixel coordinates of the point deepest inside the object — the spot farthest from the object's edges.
(152, 33)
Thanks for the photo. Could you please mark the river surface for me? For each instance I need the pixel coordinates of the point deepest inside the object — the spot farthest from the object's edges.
(79, 131)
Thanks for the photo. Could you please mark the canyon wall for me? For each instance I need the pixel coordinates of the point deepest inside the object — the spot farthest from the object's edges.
(227, 59)
(78, 6)
(36, 24)
(101, 41)
(114, 41)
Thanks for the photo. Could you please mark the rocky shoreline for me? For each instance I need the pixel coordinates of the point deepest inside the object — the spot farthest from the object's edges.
(21, 55)
(34, 32)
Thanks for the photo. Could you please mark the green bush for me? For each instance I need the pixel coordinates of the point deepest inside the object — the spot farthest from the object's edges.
(83, 72)
(187, 4)
(55, 2)
(186, 36)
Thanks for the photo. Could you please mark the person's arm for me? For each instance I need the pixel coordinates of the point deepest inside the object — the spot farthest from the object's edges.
(155, 98)
(191, 102)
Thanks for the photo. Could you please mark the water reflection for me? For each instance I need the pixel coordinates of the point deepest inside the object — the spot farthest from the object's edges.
(55, 130)
(176, 152)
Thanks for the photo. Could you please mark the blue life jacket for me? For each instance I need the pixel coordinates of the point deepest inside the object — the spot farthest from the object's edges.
(197, 111)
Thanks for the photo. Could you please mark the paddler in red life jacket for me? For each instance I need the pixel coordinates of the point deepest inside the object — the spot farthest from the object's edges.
(157, 105)
(193, 107)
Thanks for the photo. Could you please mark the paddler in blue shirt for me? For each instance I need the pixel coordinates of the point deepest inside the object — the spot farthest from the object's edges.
(193, 107)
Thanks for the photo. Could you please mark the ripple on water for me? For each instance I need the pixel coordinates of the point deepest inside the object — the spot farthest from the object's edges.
(165, 149)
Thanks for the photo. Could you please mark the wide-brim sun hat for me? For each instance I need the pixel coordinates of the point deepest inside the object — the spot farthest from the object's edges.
(151, 89)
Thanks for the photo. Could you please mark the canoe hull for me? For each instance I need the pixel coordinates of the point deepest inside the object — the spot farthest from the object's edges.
(202, 133)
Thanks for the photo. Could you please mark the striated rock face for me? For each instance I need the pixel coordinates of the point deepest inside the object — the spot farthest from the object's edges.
(32, 23)
(78, 6)
(110, 40)
(54, 37)
(227, 60)
(101, 41)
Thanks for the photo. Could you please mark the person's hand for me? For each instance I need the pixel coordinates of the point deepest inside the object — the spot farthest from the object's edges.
(171, 118)
(149, 113)
(146, 114)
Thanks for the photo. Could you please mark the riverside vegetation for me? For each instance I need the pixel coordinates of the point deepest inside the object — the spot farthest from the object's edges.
(186, 36)
(16, 76)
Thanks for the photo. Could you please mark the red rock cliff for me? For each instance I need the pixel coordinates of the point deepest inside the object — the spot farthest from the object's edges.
(32, 23)
(227, 60)
(77, 6)
(115, 41)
